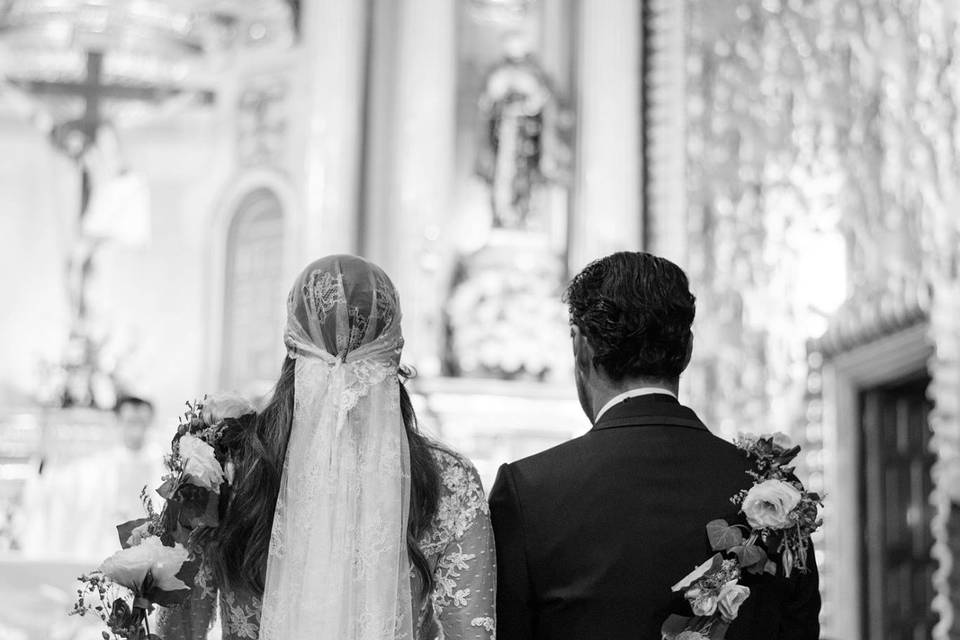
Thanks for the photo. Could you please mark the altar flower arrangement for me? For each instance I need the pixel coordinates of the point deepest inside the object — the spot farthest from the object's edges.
(780, 516)
(157, 562)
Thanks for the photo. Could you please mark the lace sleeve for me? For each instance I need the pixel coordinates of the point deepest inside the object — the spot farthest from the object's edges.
(191, 620)
(466, 574)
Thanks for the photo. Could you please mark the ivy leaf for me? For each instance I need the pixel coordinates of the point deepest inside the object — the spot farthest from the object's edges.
(788, 455)
(722, 536)
(674, 626)
(751, 557)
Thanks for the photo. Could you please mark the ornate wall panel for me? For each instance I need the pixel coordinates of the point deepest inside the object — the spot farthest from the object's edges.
(762, 213)
(823, 157)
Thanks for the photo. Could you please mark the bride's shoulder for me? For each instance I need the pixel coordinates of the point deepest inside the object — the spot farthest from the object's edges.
(447, 458)
(457, 474)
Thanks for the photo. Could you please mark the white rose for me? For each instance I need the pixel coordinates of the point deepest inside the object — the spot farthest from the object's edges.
(732, 595)
(220, 406)
(768, 504)
(200, 464)
(703, 603)
(129, 567)
(782, 440)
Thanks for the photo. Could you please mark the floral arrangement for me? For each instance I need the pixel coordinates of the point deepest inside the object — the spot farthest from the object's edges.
(157, 562)
(780, 514)
(505, 321)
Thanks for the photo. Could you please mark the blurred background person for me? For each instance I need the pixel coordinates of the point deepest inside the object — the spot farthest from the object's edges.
(71, 510)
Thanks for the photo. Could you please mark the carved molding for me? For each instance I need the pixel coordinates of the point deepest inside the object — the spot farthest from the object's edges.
(869, 343)
(944, 391)
(832, 444)
(664, 135)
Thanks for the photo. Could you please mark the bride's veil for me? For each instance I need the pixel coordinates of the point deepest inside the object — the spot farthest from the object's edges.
(338, 564)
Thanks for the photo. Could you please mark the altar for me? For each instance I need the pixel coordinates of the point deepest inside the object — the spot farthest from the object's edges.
(495, 421)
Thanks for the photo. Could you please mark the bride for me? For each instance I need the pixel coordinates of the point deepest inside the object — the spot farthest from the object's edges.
(345, 521)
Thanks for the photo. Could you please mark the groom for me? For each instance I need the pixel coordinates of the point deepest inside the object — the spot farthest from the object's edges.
(592, 534)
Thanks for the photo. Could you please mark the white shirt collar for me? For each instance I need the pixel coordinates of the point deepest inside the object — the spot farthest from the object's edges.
(632, 393)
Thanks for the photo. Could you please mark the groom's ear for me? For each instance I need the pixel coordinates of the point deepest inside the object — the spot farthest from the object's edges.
(689, 354)
(582, 351)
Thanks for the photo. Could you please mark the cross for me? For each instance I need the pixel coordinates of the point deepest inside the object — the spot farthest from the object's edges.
(76, 137)
(93, 91)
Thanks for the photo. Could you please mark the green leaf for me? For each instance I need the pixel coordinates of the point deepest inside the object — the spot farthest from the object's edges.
(674, 626)
(788, 455)
(198, 507)
(770, 568)
(722, 536)
(124, 530)
(751, 556)
(168, 488)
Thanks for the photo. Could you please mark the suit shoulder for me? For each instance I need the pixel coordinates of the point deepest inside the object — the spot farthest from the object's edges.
(731, 451)
(547, 457)
(537, 468)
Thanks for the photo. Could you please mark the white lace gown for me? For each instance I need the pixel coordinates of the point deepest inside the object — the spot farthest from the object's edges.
(459, 546)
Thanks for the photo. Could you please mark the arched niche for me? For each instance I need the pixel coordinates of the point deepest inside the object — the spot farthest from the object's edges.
(253, 284)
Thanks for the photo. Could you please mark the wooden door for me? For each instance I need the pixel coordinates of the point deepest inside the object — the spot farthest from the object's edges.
(896, 511)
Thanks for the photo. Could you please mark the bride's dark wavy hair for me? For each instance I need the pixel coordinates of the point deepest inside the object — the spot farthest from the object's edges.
(243, 538)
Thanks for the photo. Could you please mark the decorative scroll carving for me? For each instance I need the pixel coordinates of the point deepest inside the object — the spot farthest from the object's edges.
(262, 124)
(944, 390)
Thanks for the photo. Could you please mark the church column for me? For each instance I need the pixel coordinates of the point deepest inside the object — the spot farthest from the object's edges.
(333, 71)
(665, 131)
(608, 208)
(405, 227)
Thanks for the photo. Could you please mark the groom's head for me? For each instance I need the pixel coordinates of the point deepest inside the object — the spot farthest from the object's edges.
(630, 317)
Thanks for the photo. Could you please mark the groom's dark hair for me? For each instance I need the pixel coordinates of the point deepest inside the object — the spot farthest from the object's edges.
(636, 310)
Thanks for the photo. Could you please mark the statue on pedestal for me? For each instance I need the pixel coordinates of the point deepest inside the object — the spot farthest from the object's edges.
(519, 145)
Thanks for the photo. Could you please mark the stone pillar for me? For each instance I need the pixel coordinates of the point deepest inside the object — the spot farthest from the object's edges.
(412, 166)
(608, 213)
(331, 107)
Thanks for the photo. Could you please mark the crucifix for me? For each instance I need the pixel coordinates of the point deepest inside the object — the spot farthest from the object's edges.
(82, 140)
(77, 138)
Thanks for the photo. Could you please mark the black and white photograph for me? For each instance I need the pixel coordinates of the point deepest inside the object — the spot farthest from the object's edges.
(479, 320)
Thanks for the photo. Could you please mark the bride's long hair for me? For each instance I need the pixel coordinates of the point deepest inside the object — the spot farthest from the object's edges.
(243, 538)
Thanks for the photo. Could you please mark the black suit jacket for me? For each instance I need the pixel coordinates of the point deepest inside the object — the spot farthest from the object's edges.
(592, 534)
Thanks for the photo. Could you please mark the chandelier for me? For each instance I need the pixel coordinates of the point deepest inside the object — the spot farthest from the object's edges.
(131, 56)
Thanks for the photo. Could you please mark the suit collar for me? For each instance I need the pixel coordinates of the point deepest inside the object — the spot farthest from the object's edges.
(632, 393)
(657, 409)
